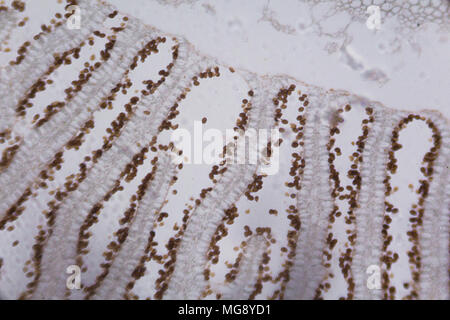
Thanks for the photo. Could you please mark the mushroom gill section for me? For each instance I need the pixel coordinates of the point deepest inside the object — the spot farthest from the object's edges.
(133, 166)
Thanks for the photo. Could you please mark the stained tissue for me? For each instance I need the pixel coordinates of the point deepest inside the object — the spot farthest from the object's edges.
(87, 177)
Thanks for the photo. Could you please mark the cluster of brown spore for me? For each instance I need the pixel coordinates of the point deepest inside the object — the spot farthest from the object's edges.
(167, 261)
(73, 181)
(417, 212)
(121, 234)
(297, 164)
(347, 193)
(143, 161)
(295, 172)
